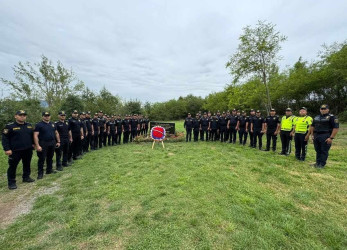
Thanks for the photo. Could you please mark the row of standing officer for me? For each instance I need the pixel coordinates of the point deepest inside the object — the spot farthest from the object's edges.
(323, 129)
(68, 139)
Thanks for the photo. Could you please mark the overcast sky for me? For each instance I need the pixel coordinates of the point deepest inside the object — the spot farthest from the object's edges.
(158, 50)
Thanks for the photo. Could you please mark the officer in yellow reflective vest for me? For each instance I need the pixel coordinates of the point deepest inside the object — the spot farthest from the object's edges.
(286, 130)
(301, 130)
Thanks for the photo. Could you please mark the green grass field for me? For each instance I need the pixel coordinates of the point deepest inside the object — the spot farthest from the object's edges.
(205, 195)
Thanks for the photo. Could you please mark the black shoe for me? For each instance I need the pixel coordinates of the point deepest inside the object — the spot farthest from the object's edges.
(266, 149)
(12, 186)
(282, 153)
(28, 179)
(51, 172)
(60, 168)
(298, 158)
(40, 176)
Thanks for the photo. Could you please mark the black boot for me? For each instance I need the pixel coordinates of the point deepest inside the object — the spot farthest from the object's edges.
(12, 185)
(28, 179)
(40, 176)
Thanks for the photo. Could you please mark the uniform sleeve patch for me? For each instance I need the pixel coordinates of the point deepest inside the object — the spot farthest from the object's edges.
(5, 131)
(336, 120)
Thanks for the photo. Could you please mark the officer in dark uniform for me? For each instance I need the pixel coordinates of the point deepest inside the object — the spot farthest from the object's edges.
(257, 127)
(17, 142)
(96, 130)
(232, 124)
(250, 121)
(111, 131)
(272, 127)
(119, 129)
(134, 124)
(204, 122)
(213, 127)
(46, 138)
(85, 133)
(209, 117)
(102, 129)
(90, 132)
(222, 122)
(146, 121)
(126, 129)
(242, 127)
(196, 127)
(77, 136)
(141, 124)
(65, 137)
(324, 129)
(104, 139)
(188, 125)
(227, 131)
(218, 130)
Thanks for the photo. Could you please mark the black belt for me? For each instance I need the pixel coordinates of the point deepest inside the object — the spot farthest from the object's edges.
(321, 132)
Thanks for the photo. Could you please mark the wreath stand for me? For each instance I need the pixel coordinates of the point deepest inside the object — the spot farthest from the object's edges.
(162, 143)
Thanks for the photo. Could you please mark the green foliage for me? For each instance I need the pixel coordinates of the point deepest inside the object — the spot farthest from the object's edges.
(71, 103)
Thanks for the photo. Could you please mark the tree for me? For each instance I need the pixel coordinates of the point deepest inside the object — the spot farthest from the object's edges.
(43, 81)
(257, 55)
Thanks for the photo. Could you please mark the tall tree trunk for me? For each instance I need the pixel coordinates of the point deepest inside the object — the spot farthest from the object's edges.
(268, 106)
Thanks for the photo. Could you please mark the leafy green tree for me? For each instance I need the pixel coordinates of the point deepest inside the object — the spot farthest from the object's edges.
(43, 81)
(257, 55)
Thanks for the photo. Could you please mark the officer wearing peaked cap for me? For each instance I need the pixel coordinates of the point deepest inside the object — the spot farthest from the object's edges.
(324, 129)
(17, 142)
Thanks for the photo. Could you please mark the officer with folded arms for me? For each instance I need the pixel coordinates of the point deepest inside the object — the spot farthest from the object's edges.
(324, 129)
(46, 138)
(17, 142)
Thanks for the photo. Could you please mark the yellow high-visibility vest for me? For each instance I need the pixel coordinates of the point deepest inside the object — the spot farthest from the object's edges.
(287, 123)
(302, 124)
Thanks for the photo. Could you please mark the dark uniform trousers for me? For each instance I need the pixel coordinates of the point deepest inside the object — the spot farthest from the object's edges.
(104, 139)
(126, 137)
(75, 146)
(13, 161)
(196, 134)
(251, 140)
(46, 155)
(146, 130)
(213, 134)
(188, 134)
(243, 136)
(321, 147)
(112, 138)
(63, 150)
(270, 136)
(300, 146)
(232, 134)
(118, 137)
(286, 140)
(222, 134)
(257, 136)
(101, 137)
(87, 142)
(204, 134)
(95, 141)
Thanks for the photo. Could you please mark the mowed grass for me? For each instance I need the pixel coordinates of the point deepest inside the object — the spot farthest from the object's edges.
(205, 195)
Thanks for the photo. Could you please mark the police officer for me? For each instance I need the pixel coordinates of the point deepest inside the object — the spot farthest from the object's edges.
(213, 127)
(196, 127)
(188, 125)
(250, 121)
(232, 123)
(146, 121)
(218, 130)
(226, 138)
(83, 146)
(104, 139)
(222, 122)
(272, 127)
(111, 131)
(96, 130)
(287, 123)
(119, 129)
(46, 138)
(242, 127)
(77, 136)
(204, 122)
(17, 142)
(324, 129)
(102, 128)
(134, 124)
(126, 129)
(90, 132)
(258, 127)
(65, 137)
(302, 126)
